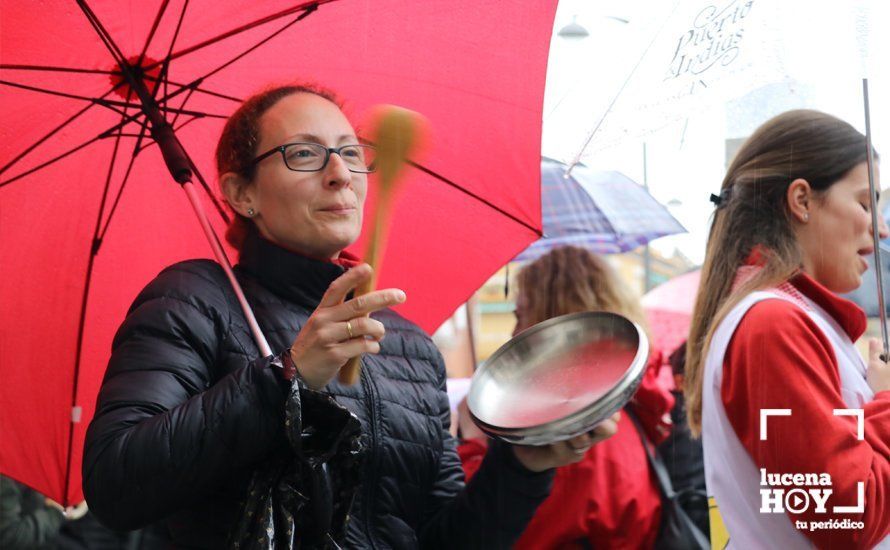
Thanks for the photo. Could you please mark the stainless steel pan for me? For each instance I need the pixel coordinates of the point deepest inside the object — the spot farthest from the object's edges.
(559, 378)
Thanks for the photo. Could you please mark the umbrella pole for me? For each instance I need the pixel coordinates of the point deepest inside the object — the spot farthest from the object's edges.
(872, 197)
(223, 260)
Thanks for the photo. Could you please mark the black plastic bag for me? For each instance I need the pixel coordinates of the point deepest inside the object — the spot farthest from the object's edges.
(300, 499)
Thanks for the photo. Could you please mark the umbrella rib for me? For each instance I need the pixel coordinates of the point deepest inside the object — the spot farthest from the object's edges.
(269, 37)
(101, 233)
(154, 28)
(302, 16)
(104, 36)
(55, 69)
(135, 135)
(136, 150)
(184, 101)
(111, 104)
(305, 6)
(195, 86)
(46, 137)
(51, 161)
(98, 101)
(169, 56)
(116, 53)
(139, 149)
(55, 130)
(577, 159)
(165, 67)
(81, 325)
(486, 202)
(103, 135)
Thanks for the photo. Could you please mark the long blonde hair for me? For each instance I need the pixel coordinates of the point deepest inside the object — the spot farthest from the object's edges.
(571, 279)
(753, 214)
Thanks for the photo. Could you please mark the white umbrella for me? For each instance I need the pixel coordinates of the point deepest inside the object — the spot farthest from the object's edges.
(673, 60)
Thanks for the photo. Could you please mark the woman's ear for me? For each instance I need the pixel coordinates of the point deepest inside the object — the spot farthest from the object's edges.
(239, 193)
(800, 199)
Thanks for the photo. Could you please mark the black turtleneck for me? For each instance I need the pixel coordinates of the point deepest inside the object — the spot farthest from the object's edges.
(291, 275)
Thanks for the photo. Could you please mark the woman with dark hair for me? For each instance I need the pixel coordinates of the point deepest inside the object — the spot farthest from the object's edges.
(771, 336)
(188, 412)
(609, 498)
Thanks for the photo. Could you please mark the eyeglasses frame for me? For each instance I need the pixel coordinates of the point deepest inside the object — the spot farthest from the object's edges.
(327, 157)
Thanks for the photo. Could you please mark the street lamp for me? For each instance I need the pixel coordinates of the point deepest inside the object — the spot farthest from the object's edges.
(573, 31)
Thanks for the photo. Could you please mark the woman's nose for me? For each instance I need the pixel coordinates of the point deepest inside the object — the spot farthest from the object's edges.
(883, 230)
(336, 173)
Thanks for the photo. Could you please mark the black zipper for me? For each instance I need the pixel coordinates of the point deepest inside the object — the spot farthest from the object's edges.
(372, 454)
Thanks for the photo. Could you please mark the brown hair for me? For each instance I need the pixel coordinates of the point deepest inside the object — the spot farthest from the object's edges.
(571, 279)
(241, 135)
(754, 214)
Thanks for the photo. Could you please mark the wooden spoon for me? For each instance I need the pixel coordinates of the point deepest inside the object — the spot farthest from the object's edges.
(397, 133)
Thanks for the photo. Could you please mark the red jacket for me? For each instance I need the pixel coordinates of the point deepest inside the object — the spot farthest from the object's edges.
(610, 498)
(779, 358)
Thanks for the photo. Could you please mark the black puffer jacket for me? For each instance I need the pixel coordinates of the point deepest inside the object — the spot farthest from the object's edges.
(186, 412)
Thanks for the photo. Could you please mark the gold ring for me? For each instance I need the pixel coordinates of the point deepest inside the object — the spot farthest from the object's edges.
(349, 330)
(577, 450)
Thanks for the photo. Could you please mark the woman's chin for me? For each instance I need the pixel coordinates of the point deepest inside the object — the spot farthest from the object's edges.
(840, 283)
(848, 285)
(340, 240)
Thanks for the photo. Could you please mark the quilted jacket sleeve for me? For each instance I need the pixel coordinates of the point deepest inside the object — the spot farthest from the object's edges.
(163, 430)
(493, 509)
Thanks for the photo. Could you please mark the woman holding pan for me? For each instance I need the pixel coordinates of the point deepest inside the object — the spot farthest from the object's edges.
(774, 383)
(608, 499)
(189, 416)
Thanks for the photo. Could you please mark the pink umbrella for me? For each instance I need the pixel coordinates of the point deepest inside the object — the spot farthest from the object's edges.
(90, 213)
(668, 308)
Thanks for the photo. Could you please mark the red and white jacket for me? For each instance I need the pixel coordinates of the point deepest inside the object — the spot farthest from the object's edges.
(791, 348)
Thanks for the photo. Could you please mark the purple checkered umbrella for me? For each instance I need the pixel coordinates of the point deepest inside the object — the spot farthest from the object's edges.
(605, 212)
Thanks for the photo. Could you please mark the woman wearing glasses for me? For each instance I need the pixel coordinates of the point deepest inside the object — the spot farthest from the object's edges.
(189, 417)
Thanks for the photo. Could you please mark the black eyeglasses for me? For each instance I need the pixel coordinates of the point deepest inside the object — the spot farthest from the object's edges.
(312, 157)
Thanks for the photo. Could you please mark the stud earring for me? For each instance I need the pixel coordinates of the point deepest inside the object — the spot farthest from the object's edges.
(806, 217)
(250, 212)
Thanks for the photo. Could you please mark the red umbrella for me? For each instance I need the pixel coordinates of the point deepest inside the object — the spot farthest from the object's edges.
(90, 213)
(668, 308)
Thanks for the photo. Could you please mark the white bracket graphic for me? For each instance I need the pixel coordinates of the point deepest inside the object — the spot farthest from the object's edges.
(860, 420)
(766, 413)
(860, 502)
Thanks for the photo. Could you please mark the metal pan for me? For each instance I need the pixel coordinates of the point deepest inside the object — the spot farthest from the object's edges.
(559, 378)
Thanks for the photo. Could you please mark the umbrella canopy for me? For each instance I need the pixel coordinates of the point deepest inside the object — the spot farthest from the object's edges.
(606, 212)
(668, 308)
(90, 213)
(673, 60)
